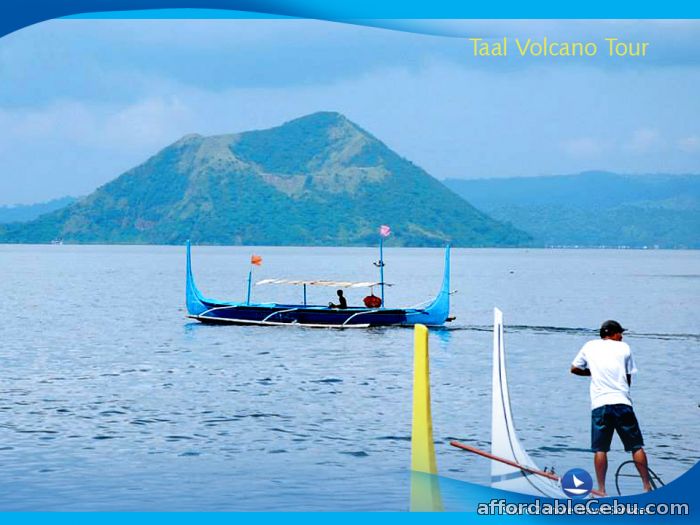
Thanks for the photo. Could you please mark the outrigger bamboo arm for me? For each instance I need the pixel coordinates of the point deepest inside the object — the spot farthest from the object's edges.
(535, 471)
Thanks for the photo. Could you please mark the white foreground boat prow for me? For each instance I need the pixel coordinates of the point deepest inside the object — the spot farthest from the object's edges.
(504, 442)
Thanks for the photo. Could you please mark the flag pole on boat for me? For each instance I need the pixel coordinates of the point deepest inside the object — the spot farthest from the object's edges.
(384, 231)
(255, 260)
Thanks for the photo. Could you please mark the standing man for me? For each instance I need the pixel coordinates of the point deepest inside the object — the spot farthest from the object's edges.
(609, 363)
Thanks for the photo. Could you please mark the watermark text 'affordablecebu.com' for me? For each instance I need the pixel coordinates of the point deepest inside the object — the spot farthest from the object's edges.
(614, 507)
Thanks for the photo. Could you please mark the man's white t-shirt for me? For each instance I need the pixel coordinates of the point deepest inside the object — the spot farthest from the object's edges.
(609, 362)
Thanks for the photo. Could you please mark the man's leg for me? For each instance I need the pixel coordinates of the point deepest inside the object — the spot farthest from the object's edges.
(601, 437)
(628, 429)
(600, 460)
(640, 461)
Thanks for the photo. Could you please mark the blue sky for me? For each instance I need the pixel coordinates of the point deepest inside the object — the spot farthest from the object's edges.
(81, 101)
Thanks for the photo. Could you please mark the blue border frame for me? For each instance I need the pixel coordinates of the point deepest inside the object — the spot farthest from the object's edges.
(19, 15)
(28, 12)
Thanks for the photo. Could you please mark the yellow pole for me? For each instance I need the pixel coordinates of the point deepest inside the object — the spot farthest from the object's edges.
(425, 490)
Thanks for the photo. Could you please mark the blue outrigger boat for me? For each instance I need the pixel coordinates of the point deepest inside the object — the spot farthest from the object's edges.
(212, 311)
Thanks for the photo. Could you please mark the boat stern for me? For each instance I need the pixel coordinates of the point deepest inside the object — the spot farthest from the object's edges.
(193, 301)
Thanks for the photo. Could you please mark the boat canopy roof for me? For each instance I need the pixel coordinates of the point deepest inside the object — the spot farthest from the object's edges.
(322, 282)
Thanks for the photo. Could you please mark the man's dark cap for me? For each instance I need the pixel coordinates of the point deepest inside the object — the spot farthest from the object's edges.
(609, 328)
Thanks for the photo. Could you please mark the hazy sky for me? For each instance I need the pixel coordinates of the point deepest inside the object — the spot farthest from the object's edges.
(81, 101)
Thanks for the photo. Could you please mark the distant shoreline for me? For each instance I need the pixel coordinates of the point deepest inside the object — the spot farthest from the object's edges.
(369, 246)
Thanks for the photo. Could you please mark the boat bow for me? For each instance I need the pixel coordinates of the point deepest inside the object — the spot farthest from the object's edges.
(504, 441)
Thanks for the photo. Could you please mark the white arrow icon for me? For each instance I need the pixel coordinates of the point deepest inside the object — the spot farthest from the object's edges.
(577, 483)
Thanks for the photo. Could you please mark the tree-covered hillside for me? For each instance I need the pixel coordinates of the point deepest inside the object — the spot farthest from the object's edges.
(27, 212)
(594, 208)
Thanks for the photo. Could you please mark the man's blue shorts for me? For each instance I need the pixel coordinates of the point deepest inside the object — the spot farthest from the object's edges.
(620, 418)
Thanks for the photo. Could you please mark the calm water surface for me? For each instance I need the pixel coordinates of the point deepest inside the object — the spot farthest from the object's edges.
(110, 399)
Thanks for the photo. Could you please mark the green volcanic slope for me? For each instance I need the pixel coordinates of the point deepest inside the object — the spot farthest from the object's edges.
(316, 180)
(594, 208)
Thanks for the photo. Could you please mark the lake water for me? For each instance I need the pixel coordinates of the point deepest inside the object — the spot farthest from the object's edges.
(110, 399)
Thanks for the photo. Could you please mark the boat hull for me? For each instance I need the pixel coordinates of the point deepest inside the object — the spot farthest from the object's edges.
(299, 315)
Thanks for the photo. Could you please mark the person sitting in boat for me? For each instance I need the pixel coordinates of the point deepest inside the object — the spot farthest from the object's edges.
(342, 302)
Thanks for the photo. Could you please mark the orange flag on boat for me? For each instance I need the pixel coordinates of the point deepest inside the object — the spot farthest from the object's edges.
(256, 260)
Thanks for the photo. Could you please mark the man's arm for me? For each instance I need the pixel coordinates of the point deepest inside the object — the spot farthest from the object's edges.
(630, 367)
(580, 371)
(579, 366)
